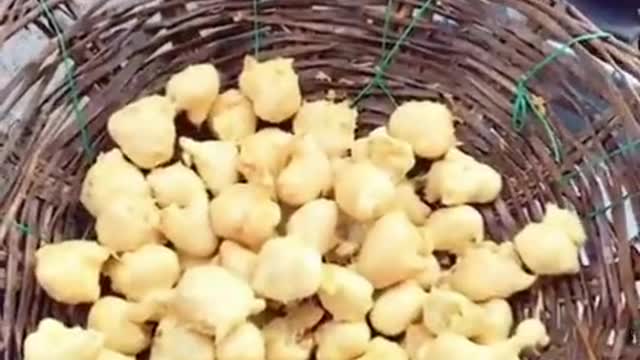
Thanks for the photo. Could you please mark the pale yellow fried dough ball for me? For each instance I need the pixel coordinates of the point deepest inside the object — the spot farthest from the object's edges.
(194, 91)
(389, 254)
(215, 161)
(262, 157)
(232, 117)
(426, 125)
(308, 174)
(364, 191)
(332, 125)
(110, 316)
(52, 340)
(273, 88)
(140, 273)
(69, 271)
(244, 213)
(112, 176)
(393, 155)
(145, 130)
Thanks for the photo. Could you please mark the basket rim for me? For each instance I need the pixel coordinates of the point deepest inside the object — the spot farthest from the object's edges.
(119, 54)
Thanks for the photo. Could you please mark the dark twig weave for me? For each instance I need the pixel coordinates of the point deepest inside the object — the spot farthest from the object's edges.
(468, 53)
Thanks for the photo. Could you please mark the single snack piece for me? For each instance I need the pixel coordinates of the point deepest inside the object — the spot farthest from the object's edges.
(145, 130)
(246, 342)
(498, 319)
(432, 273)
(364, 191)
(202, 286)
(238, 260)
(332, 125)
(290, 337)
(153, 308)
(315, 223)
(112, 176)
(347, 295)
(381, 348)
(187, 261)
(567, 220)
(140, 273)
(194, 90)
(307, 175)
(69, 271)
(263, 155)
(415, 338)
(397, 307)
(384, 262)
(454, 229)
(342, 340)
(110, 316)
(426, 125)
(128, 223)
(552, 246)
(53, 341)
(244, 213)
(448, 311)
(482, 274)
(349, 236)
(176, 184)
(450, 346)
(175, 341)
(232, 117)
(107, 354)
(459, 179)
(287, 270)
(273, 88)
(392, 155)
(408, 201)
(215, 161)
(189, 228)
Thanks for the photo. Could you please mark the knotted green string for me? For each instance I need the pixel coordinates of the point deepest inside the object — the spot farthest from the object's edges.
(388, 13)
(618, 202)
(256, 28)
(626, 147)
(69, 65)
(378, 78)
(523, 102)
(79, 114)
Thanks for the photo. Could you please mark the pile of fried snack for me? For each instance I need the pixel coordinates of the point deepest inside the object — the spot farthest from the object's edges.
(295, 241)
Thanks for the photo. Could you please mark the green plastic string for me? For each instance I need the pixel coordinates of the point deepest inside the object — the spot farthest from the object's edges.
(628, 146)
(256, 28)
(523, 102)
(23, 228)
(80, 116)
(73, 89)
(380, 82)
(378, 78)
(605, 209)
(388, 12)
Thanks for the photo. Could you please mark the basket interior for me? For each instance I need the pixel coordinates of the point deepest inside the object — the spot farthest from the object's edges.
(469, 54)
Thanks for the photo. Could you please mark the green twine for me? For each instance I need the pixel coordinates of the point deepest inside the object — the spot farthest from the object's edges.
(388, 12)
(256, 28)
(378, 79)
(23, 228)
(73, 89)
(620, 201)
(628, 146)
(69, 64)
(523, 102)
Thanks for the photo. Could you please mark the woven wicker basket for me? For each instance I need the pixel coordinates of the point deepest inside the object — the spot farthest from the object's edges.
(470, 53)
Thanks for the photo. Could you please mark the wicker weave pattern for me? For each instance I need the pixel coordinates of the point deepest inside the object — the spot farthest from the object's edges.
(473, 61)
